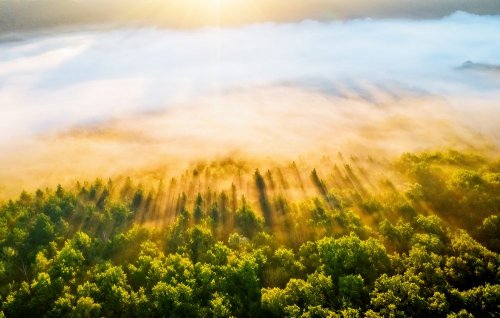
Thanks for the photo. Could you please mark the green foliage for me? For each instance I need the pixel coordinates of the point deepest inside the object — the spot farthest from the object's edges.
(350, 255)
(247, 221)
(427, 249)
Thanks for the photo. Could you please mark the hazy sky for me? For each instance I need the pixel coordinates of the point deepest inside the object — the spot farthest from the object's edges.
(35, 14)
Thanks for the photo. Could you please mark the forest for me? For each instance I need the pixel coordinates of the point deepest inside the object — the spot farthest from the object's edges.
(346, 236)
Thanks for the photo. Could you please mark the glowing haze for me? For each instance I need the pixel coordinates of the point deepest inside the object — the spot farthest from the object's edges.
(33, 14)
(101, 102)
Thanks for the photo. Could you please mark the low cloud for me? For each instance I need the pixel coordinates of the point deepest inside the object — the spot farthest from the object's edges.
(142, 96)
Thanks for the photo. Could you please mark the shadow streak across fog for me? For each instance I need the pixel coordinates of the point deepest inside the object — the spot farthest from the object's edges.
(139, 96)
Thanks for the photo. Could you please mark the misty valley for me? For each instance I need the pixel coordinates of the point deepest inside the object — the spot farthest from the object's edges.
(249, 158)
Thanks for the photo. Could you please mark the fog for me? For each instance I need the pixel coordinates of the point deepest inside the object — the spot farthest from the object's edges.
(107, 101)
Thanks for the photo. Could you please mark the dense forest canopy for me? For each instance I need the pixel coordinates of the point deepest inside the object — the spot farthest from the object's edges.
(350, 237)
(249, 158)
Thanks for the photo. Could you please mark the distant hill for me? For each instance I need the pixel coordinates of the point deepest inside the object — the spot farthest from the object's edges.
(469, 65)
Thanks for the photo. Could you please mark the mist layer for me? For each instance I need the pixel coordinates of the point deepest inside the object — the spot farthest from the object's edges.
(138, 96)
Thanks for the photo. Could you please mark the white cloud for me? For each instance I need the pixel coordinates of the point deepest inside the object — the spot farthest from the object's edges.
(62, 80)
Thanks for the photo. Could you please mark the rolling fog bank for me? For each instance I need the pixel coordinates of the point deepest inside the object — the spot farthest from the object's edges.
(101, 103)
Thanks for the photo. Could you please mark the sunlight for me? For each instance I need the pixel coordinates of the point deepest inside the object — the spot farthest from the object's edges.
(249, 158)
